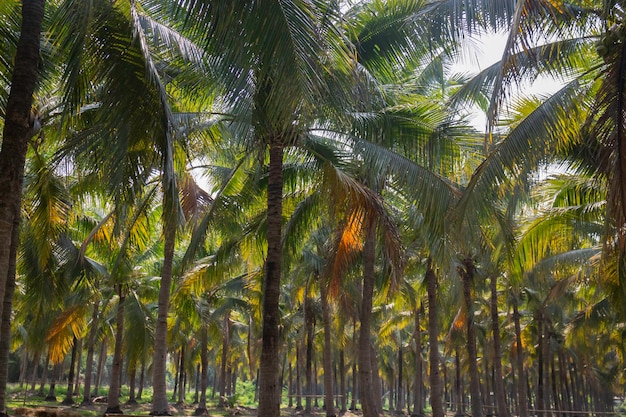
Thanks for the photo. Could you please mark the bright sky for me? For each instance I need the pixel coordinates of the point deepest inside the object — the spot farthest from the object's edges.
(485, 50)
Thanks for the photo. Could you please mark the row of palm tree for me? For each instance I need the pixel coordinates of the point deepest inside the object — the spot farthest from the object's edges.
(340, 166)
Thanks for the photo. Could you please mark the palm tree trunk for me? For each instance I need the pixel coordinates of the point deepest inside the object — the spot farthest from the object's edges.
(269, 390)
(19, 126)
(497, 352)
(68, 400)
(309, 325)
(522, 393)
(101, 360)
(433, 351)
(418, 404)
(36, 360)
(298, 379)
(79, 361)
(541, 400)
(56, 369)
(142, 378)
(223, 370)
(327, 359)
(132, 384)
(457, 384)
(377, 384)
(365, 365)
(90, 352)
(355, 387)
(400, 402)
(342, 381)
(44, 376)
(467, 276)
(5, 326)
(160, 406)
(204, 362)
(113, 399)
(181, 377)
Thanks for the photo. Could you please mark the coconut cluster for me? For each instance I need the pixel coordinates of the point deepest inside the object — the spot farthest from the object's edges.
(611, 40)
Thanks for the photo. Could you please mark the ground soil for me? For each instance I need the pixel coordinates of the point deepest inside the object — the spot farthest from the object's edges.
(142, 410)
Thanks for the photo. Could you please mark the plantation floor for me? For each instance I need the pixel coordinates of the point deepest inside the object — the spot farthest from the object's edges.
(143, 410)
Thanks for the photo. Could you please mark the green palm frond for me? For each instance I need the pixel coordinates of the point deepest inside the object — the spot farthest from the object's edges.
(540, 135)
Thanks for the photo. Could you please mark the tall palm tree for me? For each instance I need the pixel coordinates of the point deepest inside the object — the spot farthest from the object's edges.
(20, 124)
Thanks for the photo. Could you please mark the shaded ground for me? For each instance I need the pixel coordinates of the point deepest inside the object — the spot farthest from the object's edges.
(144, 410)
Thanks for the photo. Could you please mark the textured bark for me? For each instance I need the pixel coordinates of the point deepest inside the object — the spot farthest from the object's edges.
(19, 127)
(467, 277)
(269, 390)
(329, 404)
(377, 383)
(113, 399)
(436, 402)
(5, 327)
(365, 365)
(160, 406)
(497, 352)
(522, 393)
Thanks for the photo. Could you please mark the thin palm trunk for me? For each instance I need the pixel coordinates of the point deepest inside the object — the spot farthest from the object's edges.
(113, 399)
(79, 361)
(101, 360)
(342, 381)
(269, 390)
(327, 360)
(365, 364)
(160, 406)
(204, 362)
(298, 379)
(457, 384)
(467, 276)
(44, 376)
(19, 127)
(90, 352)
(181, 377)
(400, 402)
(541, 400)
(132, 384)
(497, 352)
(36, 360)
(418, 404)
(223, 371)
(142, 378)
(68, 400)
(522, 393)
(436, 402)
(310, 329)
